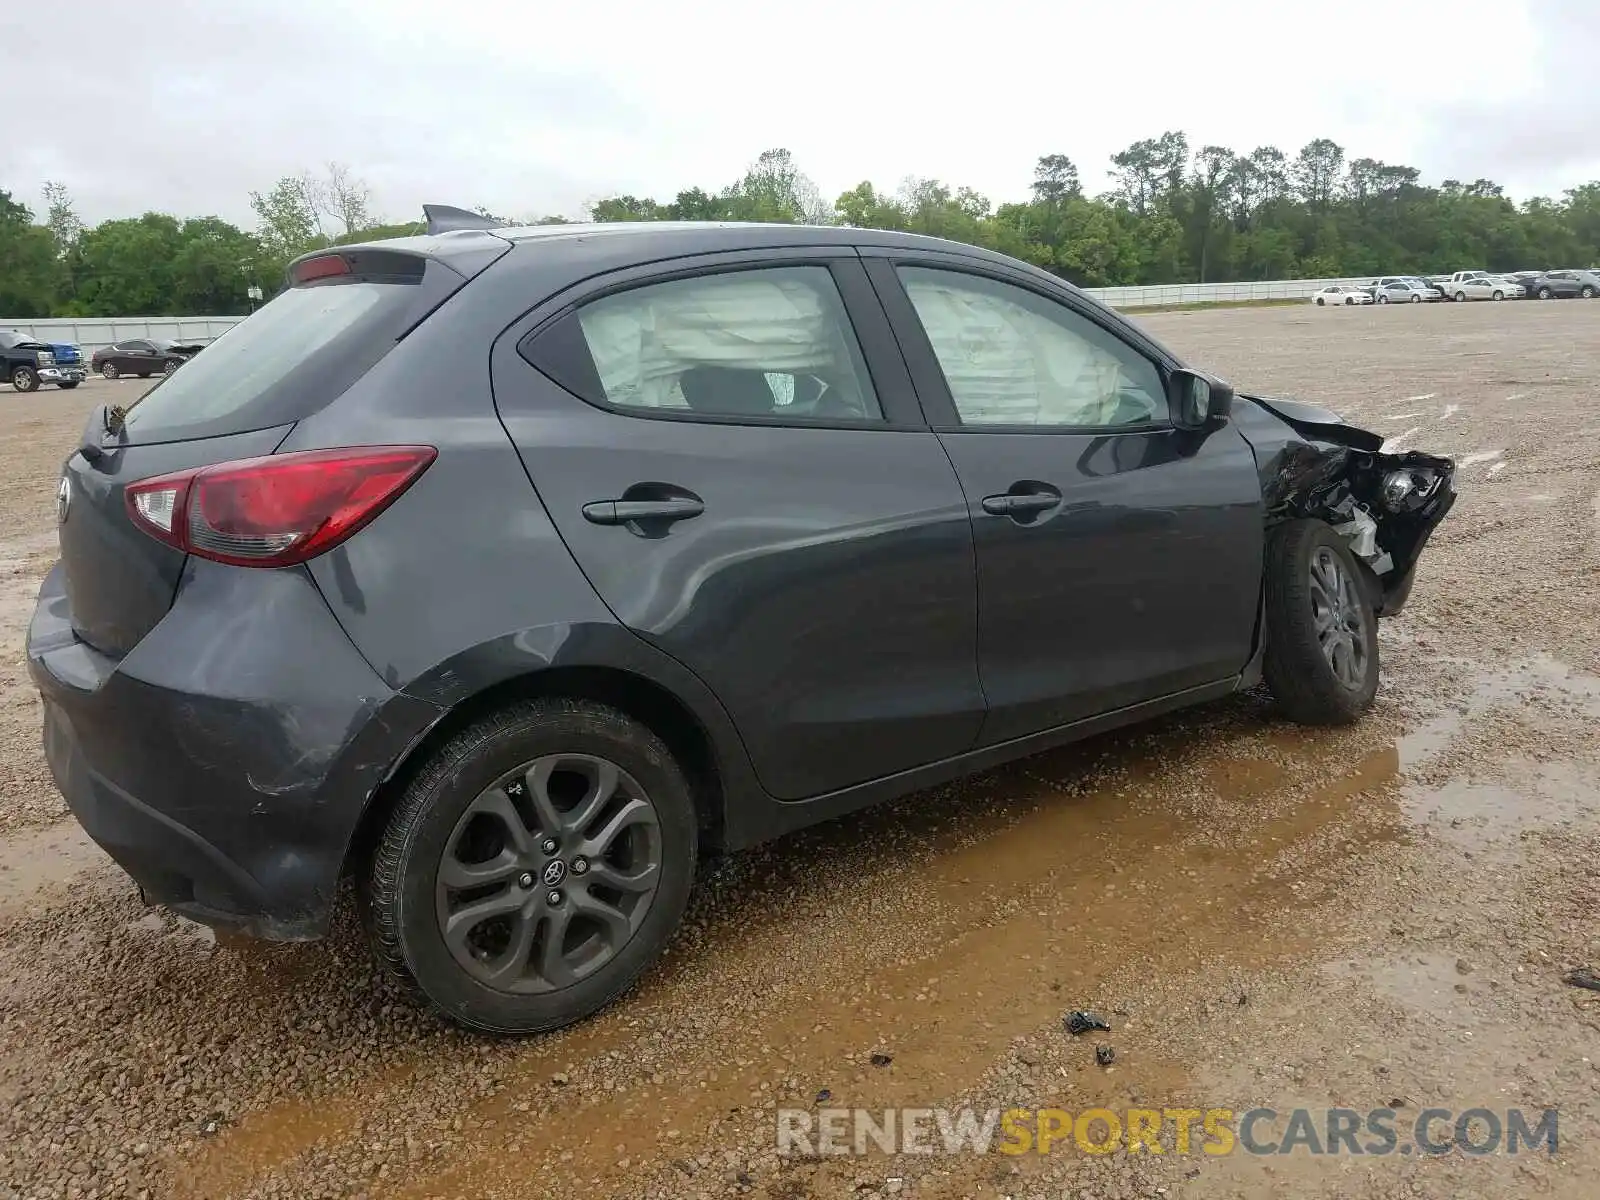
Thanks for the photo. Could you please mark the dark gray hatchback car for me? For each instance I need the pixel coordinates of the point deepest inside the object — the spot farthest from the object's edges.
(511, 570)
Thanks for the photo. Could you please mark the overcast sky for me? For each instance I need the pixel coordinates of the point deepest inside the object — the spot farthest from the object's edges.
(186, 106)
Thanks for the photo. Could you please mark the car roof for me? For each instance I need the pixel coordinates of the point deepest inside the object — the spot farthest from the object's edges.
(645, 241)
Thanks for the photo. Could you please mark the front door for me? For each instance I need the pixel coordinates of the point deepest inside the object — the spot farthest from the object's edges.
(743, 492)
(1119, 558)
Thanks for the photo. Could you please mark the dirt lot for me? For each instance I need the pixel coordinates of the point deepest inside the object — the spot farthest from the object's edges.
(1265, 915)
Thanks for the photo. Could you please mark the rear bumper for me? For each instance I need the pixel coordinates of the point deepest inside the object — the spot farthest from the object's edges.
(63, 374)
(224, 763)
(173, 866)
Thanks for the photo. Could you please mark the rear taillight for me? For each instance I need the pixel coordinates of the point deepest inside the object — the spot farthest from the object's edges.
(278, 510)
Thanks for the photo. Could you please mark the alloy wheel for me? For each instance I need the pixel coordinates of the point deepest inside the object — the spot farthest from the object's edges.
(108, 370)
(1339, 618)
(548, 873)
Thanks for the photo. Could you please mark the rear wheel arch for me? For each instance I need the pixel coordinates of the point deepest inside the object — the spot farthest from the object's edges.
(646, 701)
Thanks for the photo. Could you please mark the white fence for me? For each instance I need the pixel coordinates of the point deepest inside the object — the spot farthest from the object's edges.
(93, 333)
(1215, 293)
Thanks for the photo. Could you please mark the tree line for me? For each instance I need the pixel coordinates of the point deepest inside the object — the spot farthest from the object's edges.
(1173, 214)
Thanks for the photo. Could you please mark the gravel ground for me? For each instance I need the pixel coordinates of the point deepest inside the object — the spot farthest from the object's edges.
(1265, 915)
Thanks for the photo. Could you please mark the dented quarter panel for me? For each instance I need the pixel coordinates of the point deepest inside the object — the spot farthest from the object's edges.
(270, 790)
(1312, 464)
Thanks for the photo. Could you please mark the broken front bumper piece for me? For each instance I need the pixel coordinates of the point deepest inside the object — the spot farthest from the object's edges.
(1386, 505)
(1407, 485)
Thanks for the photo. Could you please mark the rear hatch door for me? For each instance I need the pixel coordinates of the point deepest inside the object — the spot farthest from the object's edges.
(237, 400)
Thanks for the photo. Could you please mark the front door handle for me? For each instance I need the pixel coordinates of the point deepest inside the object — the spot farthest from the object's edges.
(1020, 504)
(642, 513)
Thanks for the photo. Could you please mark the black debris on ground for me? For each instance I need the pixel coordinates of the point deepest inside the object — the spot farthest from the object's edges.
(1583, 977)
(1080, 1022)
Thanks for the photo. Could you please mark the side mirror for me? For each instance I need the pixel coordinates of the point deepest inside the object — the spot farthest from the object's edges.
(1197, 400)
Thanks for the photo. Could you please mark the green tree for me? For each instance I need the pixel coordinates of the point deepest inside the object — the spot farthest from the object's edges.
(286, 216)
(31, 275)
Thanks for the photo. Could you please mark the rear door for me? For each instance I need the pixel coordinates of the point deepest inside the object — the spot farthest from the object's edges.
(731, 449)
(1119, 559)
(133, 357)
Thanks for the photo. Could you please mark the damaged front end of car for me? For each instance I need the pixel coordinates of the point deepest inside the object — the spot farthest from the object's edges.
(1386, 505)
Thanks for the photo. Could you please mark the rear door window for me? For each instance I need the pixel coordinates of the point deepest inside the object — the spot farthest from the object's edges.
(764, 344)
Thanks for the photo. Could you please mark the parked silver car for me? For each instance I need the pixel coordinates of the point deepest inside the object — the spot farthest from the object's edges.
(1403, 289)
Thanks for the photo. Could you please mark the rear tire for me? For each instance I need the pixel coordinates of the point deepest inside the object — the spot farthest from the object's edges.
(1383, 298)
(25, 379)
(1319, 301)
(108, 370)
(497, 973)
(1461, 297)
(1322, 634)
(1586, 292)
(1544, 293)
(144, 374)
(1416, 299)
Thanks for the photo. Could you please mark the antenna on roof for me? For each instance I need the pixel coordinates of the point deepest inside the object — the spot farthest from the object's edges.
(445, 218)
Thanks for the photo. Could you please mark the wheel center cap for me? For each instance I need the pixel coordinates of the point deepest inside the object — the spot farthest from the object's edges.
(554, 872)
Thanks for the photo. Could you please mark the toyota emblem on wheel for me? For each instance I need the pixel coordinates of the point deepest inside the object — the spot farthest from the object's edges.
(63, 498)
(554, 872)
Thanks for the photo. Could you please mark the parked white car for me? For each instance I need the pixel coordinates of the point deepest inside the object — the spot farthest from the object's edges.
(1488, 287)
(1341, 293)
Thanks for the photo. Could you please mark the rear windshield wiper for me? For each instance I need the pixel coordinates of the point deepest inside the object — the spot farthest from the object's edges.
(108, 422)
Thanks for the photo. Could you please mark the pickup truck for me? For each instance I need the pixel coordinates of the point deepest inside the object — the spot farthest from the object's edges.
(28, 362)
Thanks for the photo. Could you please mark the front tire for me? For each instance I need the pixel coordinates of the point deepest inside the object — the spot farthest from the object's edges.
(1586, 292)
(1383, 298)
(25, 379)
(1461, 297)
(1416, 299)
(535, 867)
(1319, 301)
(171, 365)
(1322, 634)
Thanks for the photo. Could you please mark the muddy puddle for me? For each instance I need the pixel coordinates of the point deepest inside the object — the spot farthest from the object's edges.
(892, 958)
(999, 912)
(38, 863)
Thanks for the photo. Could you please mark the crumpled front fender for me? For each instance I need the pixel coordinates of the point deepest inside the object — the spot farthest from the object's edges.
(1313, 464)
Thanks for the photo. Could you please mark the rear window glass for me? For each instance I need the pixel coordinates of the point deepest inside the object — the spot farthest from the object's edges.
(289, 359)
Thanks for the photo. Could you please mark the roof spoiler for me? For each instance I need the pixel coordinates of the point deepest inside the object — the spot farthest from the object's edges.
(445, 218)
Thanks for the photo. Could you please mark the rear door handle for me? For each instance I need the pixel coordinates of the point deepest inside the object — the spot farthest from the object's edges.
(626, 512)
(1013, 504)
